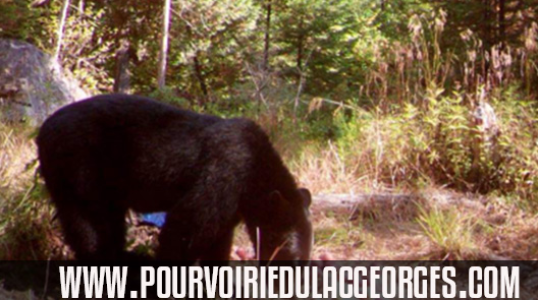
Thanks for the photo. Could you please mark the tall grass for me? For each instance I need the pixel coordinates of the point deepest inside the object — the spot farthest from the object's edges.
(450, 231)
(25, 228)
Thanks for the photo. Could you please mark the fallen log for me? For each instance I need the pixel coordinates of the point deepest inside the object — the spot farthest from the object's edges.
(369, 205)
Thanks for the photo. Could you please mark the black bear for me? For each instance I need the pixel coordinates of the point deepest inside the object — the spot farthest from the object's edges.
(101, 156)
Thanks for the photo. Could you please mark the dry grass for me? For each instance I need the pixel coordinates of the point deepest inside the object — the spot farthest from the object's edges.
(17, 152)
(323, 170)
(25, 229)
(515, 235)
(447, 225)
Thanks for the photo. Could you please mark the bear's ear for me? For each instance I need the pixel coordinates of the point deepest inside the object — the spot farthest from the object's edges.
(278, 199)
(306, 196)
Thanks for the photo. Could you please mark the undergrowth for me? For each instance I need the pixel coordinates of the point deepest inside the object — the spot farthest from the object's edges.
(26, 231)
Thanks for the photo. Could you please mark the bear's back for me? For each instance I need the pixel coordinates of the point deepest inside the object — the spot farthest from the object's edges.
(118, 110)
(122, 141)
(107, 120)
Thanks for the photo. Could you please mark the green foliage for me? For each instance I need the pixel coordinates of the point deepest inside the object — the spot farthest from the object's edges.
(516, 167)
(315, 40)
(22, 21)
(337, 49)
(168, 95)
(212, 41)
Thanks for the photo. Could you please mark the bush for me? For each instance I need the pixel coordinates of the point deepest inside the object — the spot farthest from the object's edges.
(444, 144)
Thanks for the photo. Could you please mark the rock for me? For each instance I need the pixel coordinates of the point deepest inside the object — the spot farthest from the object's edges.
(32, 85)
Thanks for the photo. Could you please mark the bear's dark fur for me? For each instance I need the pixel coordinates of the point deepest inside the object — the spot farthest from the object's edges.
(109, 153)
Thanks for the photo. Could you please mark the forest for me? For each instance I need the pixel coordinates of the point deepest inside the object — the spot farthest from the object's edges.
(420, 114)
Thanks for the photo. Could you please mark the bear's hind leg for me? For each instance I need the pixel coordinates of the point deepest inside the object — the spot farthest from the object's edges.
(78, 231)
(93, 232)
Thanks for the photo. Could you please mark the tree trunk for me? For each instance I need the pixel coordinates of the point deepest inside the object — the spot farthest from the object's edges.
(487, 24)
(122, 76)
(300, 45)
(502, 22)
(200, 76)
(81, 9)
(487, 39)
(161, 77)
(267, 36)
(63, 17)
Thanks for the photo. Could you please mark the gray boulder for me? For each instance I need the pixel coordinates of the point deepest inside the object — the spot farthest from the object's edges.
(32, 85)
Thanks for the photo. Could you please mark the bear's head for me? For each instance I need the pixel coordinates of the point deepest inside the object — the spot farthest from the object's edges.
(286, 233)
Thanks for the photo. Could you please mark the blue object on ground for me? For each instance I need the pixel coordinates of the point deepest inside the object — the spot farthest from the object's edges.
(155, 218)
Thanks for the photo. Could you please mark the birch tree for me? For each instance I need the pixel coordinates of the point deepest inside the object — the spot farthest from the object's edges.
(161, 77)
(63, 17)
